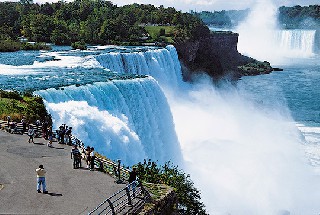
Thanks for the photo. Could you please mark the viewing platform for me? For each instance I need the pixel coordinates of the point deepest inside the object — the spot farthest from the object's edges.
(70, 191)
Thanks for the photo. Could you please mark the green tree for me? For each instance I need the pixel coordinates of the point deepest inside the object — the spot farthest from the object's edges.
(189, 198)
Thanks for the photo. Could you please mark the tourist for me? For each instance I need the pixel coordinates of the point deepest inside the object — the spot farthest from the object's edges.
(61, 134)
(65, 136)
(88, 157)
(75, 154)
(37, 123)
(41, 180)
(9, 119)
(133, 180)
(24, 124)
(50, 134)
(92, 158)
(44, 130)
(30, 134)
(68, 136)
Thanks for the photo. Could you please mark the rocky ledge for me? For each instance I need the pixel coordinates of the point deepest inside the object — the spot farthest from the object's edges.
(218, 56)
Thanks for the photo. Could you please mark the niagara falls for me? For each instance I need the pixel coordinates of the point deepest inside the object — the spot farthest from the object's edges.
(250, 144)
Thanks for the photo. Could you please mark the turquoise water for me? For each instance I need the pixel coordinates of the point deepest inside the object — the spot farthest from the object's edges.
(297, 86)
(61, 66)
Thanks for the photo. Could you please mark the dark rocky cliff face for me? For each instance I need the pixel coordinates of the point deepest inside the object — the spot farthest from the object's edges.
(216, 55)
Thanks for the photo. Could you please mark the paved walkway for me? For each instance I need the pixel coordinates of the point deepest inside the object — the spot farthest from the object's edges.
(71, 191)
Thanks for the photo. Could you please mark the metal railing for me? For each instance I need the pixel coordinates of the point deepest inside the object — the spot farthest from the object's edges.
(130, 198)
(121, 201)
(105, 165)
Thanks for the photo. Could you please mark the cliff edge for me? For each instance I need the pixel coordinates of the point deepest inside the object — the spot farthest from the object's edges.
(217, 55)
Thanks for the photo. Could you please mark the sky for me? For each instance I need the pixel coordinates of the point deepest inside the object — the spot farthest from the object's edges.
(206, 5)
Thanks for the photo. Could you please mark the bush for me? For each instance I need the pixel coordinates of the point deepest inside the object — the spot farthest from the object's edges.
(16, 105)
(79, 45)
(10, 95)
(162, 32)
(9, 46)
(188, 196)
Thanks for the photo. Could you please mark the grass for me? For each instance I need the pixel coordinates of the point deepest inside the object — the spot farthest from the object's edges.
(17, 105)
(154, 32)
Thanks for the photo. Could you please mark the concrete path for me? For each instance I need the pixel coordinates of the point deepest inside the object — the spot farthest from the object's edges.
(71, 191)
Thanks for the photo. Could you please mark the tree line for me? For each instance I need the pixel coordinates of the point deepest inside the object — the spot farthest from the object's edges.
(296, 17)
(92, 22)
(223, 18)
(299, 16)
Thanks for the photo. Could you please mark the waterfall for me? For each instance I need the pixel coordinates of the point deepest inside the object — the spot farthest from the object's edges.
(162, 64)
(301, 41)
(123, 119)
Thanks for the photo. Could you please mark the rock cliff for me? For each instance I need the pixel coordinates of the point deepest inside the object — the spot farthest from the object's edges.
(218, 56)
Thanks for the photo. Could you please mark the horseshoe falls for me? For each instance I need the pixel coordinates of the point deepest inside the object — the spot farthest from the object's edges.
(261, 38)
(297, 41)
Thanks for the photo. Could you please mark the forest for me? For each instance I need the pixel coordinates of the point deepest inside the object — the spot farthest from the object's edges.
(95, 22)
(222, 19)
(307, 17)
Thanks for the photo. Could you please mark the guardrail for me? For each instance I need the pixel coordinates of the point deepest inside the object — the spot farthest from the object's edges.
(130, 198)
(122, 202)
(105, 165)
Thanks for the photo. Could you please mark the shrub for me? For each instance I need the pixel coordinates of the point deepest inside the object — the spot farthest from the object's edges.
(79, 45)
(188, 196)
(9, 46)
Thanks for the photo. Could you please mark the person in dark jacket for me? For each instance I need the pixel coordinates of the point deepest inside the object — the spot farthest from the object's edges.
(133, 180)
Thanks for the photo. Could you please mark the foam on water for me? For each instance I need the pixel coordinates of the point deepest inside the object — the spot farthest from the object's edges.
(139, 115)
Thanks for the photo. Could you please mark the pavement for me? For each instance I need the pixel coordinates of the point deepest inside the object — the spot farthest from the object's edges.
(70, 191)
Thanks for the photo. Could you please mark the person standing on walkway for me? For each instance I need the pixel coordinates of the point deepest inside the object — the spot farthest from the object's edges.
(88, 158)
(133, 180)
(92, 158)
(24, 123)
(9, 119)
(41, 179)
(75, 154)
(30, 134)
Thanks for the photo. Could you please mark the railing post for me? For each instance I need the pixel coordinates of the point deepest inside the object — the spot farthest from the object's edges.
(111, 206)
(128, 194)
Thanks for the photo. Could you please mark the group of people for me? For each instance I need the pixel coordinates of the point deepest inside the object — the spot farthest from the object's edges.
(88, 155)
(64, 137)
(47, 133)
(64, 134)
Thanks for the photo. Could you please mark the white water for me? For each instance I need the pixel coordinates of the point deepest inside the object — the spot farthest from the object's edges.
(160, 64)
(246, 158)
(130, 120)
(297, 42)
(261, 38)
